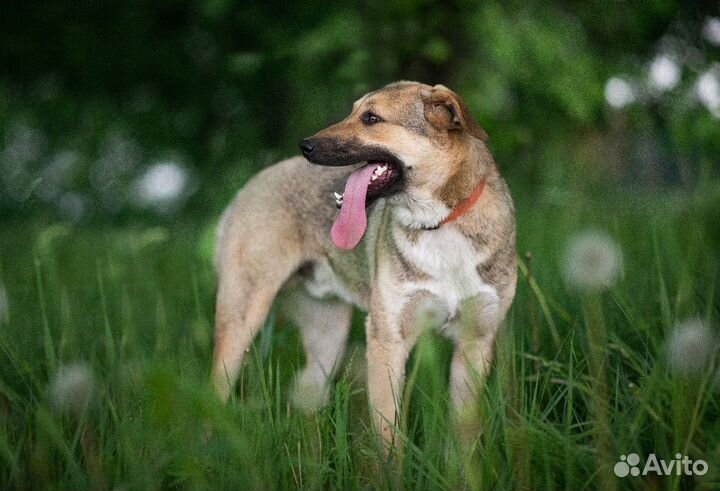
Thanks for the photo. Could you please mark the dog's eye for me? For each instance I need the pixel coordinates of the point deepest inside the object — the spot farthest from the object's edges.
(369, 118)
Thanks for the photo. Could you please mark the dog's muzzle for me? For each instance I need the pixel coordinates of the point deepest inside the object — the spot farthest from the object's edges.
(333, 152)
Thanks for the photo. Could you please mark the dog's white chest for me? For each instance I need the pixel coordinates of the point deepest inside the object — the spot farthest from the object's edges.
(449, 259)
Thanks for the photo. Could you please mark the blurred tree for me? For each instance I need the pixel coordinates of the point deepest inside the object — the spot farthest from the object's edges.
(92, 95)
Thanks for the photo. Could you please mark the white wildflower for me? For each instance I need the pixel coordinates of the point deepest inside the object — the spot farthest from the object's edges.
(619, 93)
(72, 387)
(592, 262)
(690, 347)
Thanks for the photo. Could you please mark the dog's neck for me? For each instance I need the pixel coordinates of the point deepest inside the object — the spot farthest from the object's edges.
(467, 204)
(428, 211)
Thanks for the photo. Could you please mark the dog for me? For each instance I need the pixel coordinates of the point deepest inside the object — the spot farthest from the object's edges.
(399, 210)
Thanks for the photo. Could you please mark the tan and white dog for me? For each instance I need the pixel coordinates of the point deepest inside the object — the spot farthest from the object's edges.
(425, 229)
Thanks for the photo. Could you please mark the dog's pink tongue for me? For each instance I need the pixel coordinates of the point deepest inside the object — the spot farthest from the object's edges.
(351, 222)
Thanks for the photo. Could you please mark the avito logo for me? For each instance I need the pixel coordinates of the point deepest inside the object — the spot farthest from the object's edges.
(629, 465)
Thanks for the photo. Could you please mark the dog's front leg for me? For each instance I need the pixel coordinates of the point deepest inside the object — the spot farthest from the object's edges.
(387, 353)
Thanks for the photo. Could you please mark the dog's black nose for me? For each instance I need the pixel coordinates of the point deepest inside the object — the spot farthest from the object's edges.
(307, 146)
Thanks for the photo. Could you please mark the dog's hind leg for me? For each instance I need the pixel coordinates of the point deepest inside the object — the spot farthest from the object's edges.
(324, 325)
(250, 278)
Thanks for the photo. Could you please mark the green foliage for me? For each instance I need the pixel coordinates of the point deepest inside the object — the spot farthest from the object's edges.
(139, 314)
(223, 90)
(95, 96)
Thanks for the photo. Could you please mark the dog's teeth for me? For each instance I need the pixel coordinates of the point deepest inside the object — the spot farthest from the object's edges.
(338, 199)
(373, 177)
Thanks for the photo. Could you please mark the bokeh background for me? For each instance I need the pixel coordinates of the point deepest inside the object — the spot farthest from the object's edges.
(127, 127)
(160, 110)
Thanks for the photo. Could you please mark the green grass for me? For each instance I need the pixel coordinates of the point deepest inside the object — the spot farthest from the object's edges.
(136, 304)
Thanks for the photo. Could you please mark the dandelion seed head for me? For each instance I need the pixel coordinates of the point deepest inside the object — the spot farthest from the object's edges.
(163, 186)
(23, 143)
(56, 174)
(619, 93)
(711, 30)
(690, 347)
(592, 262)
(664, 73)
(707, 90)
(72, 388)
(72, 206)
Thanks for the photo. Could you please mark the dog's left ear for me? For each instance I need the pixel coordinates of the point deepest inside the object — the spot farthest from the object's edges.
(445, 110)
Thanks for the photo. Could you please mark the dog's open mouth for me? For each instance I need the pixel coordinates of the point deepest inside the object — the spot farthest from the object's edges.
(365, 185)
(384, 175)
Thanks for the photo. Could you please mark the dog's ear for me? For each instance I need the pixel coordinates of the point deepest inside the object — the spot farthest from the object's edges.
(445, 110)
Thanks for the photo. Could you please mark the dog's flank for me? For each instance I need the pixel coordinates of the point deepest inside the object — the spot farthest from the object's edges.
(406, 158)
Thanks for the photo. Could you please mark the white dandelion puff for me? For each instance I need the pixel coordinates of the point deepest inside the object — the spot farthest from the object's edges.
(664, 73)
(72, 388)
(23, 143)
(707, 90)
(619, 93)
(592, 262)
(690, 347)
(163, 186)
(57, 174)
(72, 206)
(711, 30)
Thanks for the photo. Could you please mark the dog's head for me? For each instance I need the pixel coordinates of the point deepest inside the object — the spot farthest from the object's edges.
(412, 140)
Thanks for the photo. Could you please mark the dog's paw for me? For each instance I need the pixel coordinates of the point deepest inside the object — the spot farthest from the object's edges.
(309, 394)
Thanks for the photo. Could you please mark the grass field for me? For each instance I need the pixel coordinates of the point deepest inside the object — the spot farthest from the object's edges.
(106, 339)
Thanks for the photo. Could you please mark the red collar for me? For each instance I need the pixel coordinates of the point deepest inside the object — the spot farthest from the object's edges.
(465, 205)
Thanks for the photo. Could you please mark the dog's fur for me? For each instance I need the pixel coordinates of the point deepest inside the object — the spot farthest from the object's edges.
(276, 236)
